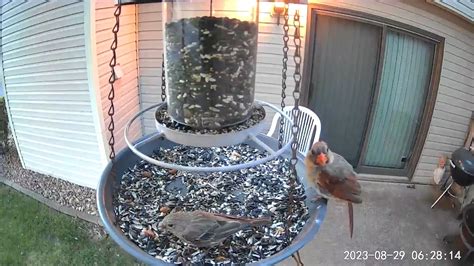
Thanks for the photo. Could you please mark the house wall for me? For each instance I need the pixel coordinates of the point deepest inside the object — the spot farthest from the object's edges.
(126, 100)
(455, 100)
(268, 85)
(55, 71)
(150, 49)
(44, 68)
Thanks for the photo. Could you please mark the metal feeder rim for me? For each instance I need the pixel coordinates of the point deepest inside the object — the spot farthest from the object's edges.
(303, 237)
(236, 167)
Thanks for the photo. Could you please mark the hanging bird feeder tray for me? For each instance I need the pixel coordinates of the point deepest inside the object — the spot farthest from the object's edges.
(111, 179)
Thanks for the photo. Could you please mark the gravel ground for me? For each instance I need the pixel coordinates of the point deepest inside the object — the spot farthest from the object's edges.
(63, 192)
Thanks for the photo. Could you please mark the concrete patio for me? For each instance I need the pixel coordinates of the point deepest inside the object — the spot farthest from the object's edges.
(393, 217)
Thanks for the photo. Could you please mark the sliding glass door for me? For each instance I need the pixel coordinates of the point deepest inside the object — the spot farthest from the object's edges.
(369, 85)
(343, 81)
(399, 105)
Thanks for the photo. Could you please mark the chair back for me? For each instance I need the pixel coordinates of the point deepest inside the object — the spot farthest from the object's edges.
(309, 128)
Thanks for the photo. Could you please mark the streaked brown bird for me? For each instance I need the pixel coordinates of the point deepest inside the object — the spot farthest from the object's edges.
(333, 177)
(205, 229)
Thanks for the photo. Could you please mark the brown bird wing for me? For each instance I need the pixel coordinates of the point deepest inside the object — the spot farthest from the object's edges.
(340, 180)
(205, 230)
(227, 224)
(199, 230)
(244, 220)
(225, 229)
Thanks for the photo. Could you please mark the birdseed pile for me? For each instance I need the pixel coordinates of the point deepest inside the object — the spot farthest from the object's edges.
(210, 70)
(148, 193)
(257, 115)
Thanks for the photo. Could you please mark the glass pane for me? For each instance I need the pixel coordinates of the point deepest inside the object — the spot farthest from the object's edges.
(399, 106)
(343, 81)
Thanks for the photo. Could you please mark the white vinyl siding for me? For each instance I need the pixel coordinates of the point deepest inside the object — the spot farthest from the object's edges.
(47, 89)
(462, 8)
(270, 55)
(126, 100)
(150, 49)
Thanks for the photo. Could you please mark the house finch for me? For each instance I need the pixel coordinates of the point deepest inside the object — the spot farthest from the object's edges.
(333, 177)
(204, 229)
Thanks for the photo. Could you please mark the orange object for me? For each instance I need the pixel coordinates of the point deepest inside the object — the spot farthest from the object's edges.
(321, 159)
(279, 7)
(278, 10)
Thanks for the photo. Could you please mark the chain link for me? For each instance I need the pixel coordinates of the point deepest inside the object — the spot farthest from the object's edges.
(283, 74)
(112, 79)
(296, 93)
(295, 115)
(163, 79)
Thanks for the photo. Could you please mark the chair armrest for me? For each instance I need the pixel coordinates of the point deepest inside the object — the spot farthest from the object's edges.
(274, 125)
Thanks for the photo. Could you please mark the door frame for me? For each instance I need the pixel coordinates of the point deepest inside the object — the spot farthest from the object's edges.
(312, 15)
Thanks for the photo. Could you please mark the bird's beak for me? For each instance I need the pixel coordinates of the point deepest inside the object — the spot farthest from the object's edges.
(321, 159)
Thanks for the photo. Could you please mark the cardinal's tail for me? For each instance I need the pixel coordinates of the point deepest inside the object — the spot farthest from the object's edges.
(351, 217)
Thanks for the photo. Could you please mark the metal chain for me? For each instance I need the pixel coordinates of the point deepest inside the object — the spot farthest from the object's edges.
(112, 79)
(283, 74)
(296, 93)
(163, 79)
(295, 114)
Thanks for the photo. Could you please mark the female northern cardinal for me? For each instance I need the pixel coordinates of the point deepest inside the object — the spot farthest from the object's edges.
(205, 229)
(333, 177)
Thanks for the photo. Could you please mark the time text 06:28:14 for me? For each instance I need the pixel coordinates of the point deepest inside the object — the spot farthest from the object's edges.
(415, 255)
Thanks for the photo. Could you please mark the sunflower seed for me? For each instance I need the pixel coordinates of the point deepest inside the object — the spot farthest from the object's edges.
(254, 192)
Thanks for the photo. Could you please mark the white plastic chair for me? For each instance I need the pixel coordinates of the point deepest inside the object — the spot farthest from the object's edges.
(309, 124)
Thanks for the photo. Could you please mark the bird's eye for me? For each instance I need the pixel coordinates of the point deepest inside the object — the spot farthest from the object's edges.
(170, 225)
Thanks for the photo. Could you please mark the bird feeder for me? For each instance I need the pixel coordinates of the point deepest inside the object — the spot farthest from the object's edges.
(210, 61)
(210, 52)
(209, 109)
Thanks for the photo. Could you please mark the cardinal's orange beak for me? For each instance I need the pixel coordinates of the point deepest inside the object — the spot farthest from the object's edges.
(321, 159)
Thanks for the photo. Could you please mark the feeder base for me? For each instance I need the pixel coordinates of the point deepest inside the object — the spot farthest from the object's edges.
(210, 140)
(113, 173)
(234, 135)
